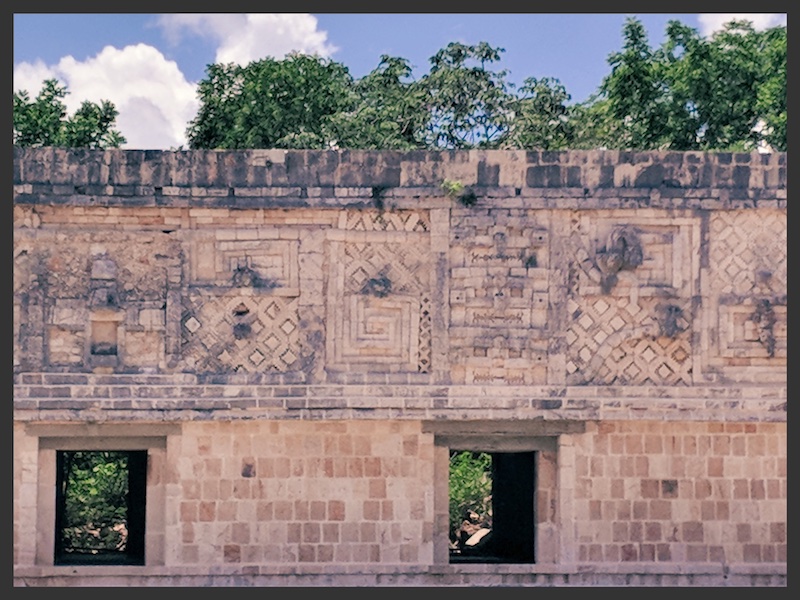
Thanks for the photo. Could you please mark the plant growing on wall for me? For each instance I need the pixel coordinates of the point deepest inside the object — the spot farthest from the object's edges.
(452, 188)
(456, 190)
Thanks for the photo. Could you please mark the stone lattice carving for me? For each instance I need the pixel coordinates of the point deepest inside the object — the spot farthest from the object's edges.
(404, 264)
(748, 277)
(241, 308)
(379, 307)
(743, 246)
(629, 308)
(232, 331)
(612, 341)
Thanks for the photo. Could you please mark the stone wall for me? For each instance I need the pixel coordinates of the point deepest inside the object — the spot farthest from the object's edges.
(689, 492)
(315, 328)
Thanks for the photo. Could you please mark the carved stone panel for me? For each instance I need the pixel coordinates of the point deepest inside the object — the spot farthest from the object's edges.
(614, 341)
(215, 259)
(371, 220)
(747, 252)
(92, 288)
(752, 327)
(745, 315)
(239, 330)
(499, 296)
(630, 310)
(378, 315)
(666, 257)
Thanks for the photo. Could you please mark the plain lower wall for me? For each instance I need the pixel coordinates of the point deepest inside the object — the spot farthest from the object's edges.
(336, 497)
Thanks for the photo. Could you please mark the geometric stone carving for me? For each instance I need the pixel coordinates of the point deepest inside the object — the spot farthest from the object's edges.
(379, 316)
(404, 265)
(747, 278)
(514, 291)
(744, 244)
(239, 330)
(744, 333)
(106, 313)
(665, 256)
(378, 331)
(270, 260)
(425, 332)
(629, 305)
(499, 296)
(507, 362)
(93, 283)
(612, 341)
(411, 221)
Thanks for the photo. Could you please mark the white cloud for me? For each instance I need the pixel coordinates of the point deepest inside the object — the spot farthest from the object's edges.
(154, 100)
(242, 38)
(711, 22)
(29, 76)
(153, 97)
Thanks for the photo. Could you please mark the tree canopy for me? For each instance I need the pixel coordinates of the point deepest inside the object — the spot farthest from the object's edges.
(271, 103)
(722, 92)
(44, 121)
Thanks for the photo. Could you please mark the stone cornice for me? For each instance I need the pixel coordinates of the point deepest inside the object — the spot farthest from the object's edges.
(246, 179)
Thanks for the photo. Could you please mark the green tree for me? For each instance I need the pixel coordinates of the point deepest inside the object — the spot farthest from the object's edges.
(304, 101)
(44, 122)
(95, 491)
(470, 482)
(468, 104)
(389, 110)
(592, 124)
(714, 84)
(723, 92)
(635, 91)
(771, 101)
(269, 103)
(542, 117)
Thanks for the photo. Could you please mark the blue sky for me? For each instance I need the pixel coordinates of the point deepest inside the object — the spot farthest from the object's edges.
(148, 65)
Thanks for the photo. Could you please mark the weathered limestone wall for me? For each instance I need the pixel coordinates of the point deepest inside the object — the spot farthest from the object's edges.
(293, 492)
(278, 498)
(689, 492)
(573, 268)
(295, 334)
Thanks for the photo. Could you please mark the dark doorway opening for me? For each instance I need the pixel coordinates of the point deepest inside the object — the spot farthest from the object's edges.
(100, 507)
(492, 507)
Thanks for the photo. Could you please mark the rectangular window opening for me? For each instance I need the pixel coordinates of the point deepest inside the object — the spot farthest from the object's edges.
(492, 506)
(100, 507)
